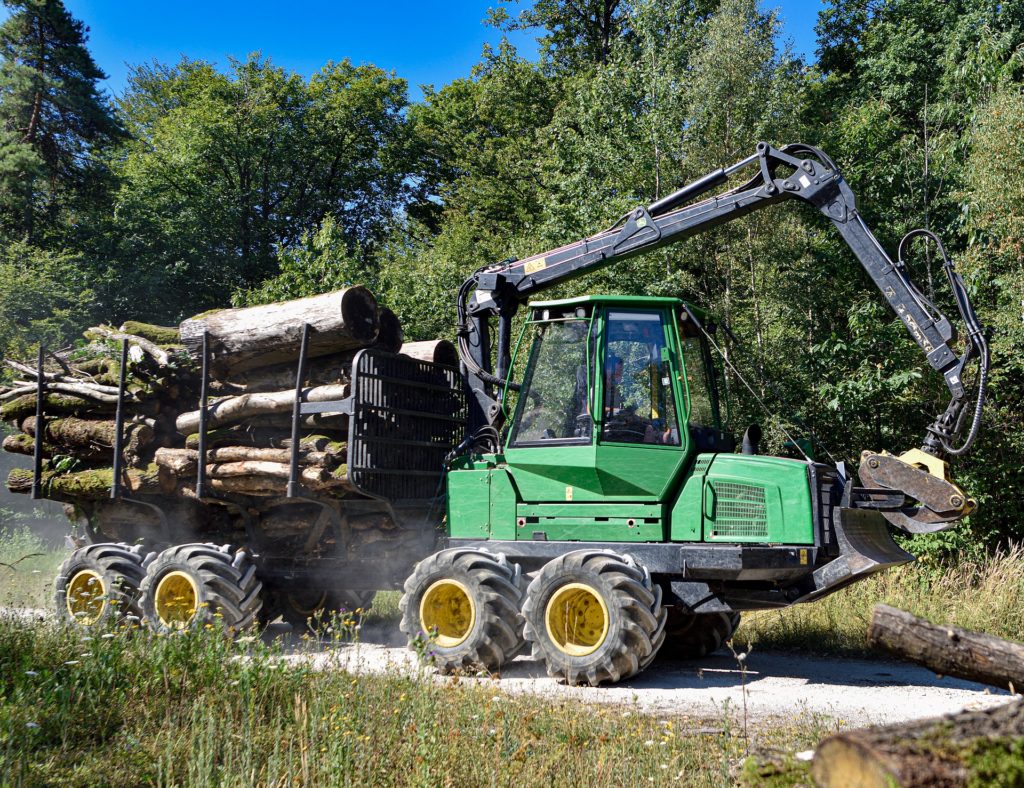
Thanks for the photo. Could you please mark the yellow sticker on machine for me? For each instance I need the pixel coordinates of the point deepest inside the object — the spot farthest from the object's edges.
(533, 266)
(568, 493)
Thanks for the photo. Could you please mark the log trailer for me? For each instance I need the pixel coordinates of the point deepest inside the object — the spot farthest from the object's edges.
(608, 517)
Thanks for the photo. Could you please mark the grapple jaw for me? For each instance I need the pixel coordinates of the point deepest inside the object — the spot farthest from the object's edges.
(914, 491)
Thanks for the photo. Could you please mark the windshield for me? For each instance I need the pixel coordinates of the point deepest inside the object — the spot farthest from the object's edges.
(553, 402)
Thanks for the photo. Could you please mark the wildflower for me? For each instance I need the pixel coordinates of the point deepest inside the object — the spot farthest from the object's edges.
(32, 725)
(649, 743)
(664, 766)
(73, 662)
(31, 673)
(107, 636)
(86, 638)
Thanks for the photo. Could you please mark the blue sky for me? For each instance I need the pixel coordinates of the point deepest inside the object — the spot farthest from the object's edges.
(424, 42)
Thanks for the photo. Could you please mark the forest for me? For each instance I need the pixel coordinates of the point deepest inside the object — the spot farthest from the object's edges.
(210, 184)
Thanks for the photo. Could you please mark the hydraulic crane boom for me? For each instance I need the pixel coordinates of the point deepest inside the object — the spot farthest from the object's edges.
(793, 172)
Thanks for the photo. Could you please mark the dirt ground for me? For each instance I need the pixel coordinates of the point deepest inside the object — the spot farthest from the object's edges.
(846, 692)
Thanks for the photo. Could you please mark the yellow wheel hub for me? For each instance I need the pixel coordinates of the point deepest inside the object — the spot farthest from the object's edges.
(86, 597)
(577, 619)
(448, 609)
(309, 604)
(176, 600)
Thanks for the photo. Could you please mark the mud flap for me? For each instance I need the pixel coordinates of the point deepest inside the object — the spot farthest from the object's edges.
(865, 548)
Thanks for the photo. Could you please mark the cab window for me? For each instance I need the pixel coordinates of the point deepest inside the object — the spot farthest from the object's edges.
(702, 407)
(638, 405)
(553, 400)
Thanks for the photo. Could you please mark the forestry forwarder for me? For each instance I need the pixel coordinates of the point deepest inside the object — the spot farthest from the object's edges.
(615, 486)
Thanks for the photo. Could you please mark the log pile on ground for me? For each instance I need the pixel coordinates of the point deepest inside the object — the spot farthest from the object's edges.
(253, 356)
(969, 748)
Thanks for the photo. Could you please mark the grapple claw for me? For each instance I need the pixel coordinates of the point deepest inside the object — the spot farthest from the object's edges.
(933, 502)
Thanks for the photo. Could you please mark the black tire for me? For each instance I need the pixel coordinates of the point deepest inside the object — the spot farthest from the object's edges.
(311, 609)
(695, 635)
(191, 585)
(99, 584)
(631, 617)
(481, 585)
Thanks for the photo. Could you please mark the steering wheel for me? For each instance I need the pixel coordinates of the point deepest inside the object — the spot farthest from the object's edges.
(614, 429)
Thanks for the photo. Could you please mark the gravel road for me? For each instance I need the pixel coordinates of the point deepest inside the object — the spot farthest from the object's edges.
(850, 692)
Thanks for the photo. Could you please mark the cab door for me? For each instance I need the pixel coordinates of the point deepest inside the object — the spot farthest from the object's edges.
(640, 446)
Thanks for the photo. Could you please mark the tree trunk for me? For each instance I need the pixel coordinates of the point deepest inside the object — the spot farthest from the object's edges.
(326, 370)
(91, 484)
(183, 461)
(949, 651)
(389, 338)
(268, 437)
(439, 351)
(241, 339)
(978, 747)
(55, 405)
(92, 439)
(246, 406)
(261, 483)
(160, 335)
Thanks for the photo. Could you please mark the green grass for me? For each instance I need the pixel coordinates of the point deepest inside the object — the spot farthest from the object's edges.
(126, 708)
(985, 595)
(27, 568)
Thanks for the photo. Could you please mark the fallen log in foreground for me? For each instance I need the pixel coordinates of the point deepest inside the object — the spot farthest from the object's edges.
(949, 651)
(970, 748)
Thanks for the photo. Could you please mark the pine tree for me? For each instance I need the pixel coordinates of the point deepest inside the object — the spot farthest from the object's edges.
(52, 115)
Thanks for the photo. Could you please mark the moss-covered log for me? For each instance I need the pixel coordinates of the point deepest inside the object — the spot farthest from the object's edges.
(970, 748)
(91, 439)
(161, 335)
(54, 405)
(91, 484)
(950, 651)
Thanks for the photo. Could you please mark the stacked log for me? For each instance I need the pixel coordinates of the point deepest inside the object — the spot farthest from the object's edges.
(253, 355)
(80, 398)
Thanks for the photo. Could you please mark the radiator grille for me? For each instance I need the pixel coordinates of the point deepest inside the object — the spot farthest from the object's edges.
(740, 511)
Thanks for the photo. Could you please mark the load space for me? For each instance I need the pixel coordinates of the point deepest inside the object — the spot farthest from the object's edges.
(230, 471)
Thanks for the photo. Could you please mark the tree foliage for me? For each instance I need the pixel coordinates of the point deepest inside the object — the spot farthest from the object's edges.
(52, 116)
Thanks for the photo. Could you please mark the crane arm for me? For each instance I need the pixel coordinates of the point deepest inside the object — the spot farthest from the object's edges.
(793, 172)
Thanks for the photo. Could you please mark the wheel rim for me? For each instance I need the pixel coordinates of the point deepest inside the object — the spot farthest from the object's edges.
(86, 597)
(176, 600)
(448, 609)
(307, 605)
(577, 619)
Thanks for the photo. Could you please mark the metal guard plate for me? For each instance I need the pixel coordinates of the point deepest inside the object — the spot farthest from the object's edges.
(407, 415)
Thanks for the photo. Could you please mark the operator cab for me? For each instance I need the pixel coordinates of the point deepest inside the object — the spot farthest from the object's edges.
(617, 371)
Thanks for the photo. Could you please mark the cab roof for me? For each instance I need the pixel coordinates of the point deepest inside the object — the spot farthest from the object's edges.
(648, 302)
